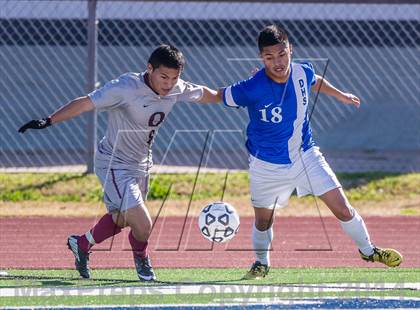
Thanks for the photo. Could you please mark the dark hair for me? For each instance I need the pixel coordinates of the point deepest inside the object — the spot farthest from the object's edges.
(272, 35)
(168, 56)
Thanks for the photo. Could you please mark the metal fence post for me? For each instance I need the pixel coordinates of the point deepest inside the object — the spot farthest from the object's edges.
(91, 81)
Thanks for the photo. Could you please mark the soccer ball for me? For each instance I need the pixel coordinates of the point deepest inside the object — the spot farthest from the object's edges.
(218, 222)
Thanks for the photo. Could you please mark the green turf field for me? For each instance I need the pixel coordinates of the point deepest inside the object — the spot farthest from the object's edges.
(228, 275)
(279, 279)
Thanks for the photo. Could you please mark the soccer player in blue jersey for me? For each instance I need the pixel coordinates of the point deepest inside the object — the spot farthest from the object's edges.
(283, 154)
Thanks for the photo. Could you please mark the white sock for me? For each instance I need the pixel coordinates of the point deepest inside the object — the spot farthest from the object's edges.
(357, 230)
(261, 240)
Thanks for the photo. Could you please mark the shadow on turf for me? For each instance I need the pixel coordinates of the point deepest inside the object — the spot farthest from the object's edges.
(53, 281)
(56, 281)
(46, 280)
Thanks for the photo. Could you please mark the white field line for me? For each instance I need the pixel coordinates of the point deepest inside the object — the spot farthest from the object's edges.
(200, 289)
(221, 303)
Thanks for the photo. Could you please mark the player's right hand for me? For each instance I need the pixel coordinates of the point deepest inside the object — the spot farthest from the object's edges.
(36, 124)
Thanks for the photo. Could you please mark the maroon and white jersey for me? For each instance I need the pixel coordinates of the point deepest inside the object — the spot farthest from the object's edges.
(135, 113)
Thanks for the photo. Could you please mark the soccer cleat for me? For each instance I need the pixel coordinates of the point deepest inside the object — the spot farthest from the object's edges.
(389, 257)
(144, 268)
(81, 258)
(257, 271)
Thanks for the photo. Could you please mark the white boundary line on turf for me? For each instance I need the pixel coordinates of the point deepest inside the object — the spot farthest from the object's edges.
(221, 303)
(199, 289)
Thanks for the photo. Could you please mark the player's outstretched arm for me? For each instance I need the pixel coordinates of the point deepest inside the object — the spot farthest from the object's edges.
(211, 95)
(70, 110)
(325, 87)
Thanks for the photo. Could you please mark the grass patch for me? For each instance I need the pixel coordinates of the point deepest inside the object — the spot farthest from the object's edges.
(380, 186)
(409, 212)
(68, 187)
(64, 187)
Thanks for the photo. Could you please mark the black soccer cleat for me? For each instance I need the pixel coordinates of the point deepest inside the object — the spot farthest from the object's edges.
(81, 258)
(144, 268)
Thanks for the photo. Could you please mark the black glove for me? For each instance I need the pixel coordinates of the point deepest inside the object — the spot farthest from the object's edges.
(36, 124)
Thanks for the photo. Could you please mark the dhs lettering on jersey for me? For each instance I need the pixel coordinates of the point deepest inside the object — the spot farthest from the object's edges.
(303, 90)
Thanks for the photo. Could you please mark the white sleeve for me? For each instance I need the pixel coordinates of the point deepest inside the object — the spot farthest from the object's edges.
(191, 92)
(112, 94)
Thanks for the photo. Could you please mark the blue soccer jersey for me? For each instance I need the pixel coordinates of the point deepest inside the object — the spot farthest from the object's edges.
(278, 120)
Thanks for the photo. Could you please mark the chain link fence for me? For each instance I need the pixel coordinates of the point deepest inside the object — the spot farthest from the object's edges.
(371, 50)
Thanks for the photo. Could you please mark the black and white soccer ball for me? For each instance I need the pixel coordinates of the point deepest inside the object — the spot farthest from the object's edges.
(218, 222)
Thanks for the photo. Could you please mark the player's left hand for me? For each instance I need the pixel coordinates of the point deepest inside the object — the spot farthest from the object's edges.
(349, 98)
